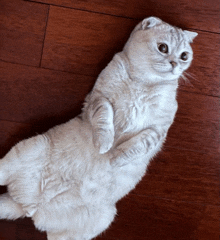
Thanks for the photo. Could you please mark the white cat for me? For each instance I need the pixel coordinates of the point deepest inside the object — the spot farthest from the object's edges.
(69, 179)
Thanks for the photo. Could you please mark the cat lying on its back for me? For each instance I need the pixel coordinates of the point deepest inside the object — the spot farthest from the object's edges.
(69, 179)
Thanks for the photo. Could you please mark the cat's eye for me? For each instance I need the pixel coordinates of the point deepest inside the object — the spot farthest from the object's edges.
(184, 56)
(162, 47)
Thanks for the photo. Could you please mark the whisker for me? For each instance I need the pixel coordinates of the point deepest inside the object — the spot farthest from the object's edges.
(186, 80)
(194, 82)
(191, 75)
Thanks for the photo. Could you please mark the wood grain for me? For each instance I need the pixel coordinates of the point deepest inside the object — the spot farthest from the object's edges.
(8, 231)
(208, 227)
(11, 133)
(187, 14)
(142, 218)
(178, 198)
(196, 125)
(149, 218)
(46, 98)
(33, 95)
(182, 175)
(84, 43)
(22, 29)
(22, 229)
(203, 75)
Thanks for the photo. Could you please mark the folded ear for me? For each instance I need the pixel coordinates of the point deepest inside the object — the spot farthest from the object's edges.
(190, 35)
(150, 22)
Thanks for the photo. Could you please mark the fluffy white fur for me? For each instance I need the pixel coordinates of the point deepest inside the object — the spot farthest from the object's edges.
(69, 179)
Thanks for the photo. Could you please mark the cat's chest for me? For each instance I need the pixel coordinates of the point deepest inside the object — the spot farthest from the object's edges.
(135, 110)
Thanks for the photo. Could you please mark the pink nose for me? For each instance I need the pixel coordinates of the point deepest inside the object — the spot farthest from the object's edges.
(173, 64)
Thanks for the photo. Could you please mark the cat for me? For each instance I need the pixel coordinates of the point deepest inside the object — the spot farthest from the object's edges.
(69, 179)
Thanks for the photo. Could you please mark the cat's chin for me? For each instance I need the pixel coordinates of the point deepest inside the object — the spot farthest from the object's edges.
(168, 75)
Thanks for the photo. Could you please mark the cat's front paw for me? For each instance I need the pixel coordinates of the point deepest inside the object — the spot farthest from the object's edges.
(119, 158)
(103, 140)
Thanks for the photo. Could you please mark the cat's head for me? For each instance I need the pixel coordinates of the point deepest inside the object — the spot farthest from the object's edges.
(158, 50)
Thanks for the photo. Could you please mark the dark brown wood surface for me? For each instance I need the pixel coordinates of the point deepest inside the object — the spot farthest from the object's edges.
(191, 14)
(51, 52)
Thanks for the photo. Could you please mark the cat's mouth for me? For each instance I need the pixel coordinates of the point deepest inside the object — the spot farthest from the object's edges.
(166, 70)
(162, 67)
(175, 71)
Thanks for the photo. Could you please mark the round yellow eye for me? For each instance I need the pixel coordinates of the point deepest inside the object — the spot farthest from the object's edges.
(162, 47)
(184, 56)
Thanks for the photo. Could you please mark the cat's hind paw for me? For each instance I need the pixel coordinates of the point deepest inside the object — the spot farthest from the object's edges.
(9, 209)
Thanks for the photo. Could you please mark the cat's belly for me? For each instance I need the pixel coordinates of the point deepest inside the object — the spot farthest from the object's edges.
(74, 165)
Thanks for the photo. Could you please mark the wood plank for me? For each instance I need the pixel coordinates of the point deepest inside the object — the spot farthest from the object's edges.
(188, 14)
(182, 175)
(84, 43)
(196, 174)
(194, 135)
(151, 218)
(11, 133)
(209, 224)
(22, 29)
(7, 231)
(39, 96)
(178, 198)
(46, 98)
(22, 229)
(203, 75)
(142, 218)
(196, 125)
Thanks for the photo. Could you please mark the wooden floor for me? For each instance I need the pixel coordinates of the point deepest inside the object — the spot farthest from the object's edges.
(51, 52)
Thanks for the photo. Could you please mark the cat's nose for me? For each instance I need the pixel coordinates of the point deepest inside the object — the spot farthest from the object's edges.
(173, 63)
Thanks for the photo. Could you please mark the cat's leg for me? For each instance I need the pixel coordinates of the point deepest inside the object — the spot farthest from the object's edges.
(9, 209)
(101, 117)
(21, 156)
(100, 219)
(7, 168)
(20, 170)
(97, 222)
(87, 223)
(65, 216)
(146, 141)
